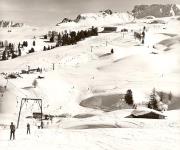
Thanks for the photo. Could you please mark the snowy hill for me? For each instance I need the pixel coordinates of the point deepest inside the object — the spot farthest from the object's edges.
(6, 24)
(82, 86)
(156, 10)
(87, 68)
(106, 17)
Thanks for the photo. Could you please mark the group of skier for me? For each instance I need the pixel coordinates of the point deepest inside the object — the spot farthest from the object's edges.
(13, 129)
(140, 36)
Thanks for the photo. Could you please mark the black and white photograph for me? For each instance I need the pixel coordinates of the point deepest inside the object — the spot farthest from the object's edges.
(89, 74)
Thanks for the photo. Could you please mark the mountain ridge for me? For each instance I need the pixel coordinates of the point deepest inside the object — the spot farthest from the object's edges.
(156, 10)
(6, 24)
(106, 16)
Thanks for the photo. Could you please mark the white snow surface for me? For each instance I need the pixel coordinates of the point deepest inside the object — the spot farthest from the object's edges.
(85, 70)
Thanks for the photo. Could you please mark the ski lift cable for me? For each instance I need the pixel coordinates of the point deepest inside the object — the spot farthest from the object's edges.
(17, 89)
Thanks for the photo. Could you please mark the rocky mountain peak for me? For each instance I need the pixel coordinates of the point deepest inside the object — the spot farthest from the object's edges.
(156, 10)
(5, 24)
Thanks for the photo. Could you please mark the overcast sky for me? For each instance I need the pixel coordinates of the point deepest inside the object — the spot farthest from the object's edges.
(49, 12)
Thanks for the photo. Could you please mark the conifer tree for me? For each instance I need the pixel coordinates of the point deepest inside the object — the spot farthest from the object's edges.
(161, 95)
(48, 47)
(44, 49)
(32, 50)
(4, 55)
(26, 44)
(129, 97)
(34, 43)
(170, 96)
(82, 36)
(153, 104)
(19, 45)
(45, 36)
(19, 52)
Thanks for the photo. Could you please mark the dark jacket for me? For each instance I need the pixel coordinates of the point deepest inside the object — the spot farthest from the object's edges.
(28, 125)
(12, 127)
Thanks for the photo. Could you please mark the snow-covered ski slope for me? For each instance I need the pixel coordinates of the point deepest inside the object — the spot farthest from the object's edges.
(87, 66)
(87, 69)
(107, 131)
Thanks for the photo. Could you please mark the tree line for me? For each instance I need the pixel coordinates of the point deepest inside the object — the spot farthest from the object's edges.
(61, 39)
(13, 51)
(9, 51)
(70, 38)
(157, 100)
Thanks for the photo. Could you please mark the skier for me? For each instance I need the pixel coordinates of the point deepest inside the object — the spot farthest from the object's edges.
(42, 125)
(144, 28)
(143, 36)
(28, 128)
(12, 132)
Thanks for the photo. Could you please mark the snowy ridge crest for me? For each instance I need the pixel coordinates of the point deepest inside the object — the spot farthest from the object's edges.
(100, 18)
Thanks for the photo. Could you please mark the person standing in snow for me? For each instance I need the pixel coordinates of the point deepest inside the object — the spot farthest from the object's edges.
(144, 28)
(12, 132)
(143, 36)
(28, 128)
